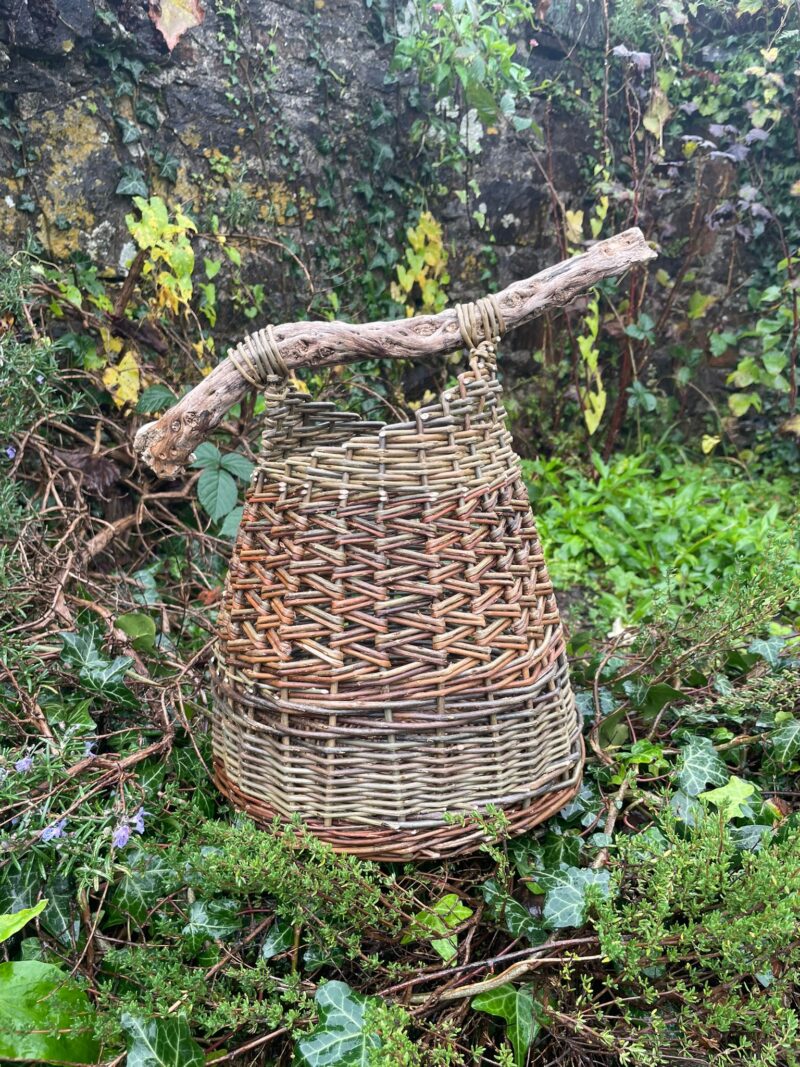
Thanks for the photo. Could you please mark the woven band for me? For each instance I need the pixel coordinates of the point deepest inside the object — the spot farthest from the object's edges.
(484, 316)
(258, 359)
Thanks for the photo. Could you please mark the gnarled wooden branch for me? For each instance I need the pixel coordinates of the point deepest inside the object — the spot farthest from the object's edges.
(166, 445)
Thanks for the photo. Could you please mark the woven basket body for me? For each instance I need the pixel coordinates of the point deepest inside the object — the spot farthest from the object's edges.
(390, 649)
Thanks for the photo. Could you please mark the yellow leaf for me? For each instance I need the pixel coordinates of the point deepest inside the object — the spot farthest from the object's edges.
(123, 380)
(709, 443)
(594, 407)
(657, 113)
(794, 189)
(791, 425)
(769, 54)
(573, 225)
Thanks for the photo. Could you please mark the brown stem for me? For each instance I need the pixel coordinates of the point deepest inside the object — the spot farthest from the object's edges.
(165, 445)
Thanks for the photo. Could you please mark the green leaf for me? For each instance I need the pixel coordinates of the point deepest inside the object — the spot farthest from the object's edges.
(207, 455)
(217, 492)
(231, 523)
(61, 915)
(658, 696)
(98, 673)
(160, 1042)
(514, 916)
(784, 743)
(10, 924)
(41, 1010)
(239, 466)
(516, 1007)
(140, 628)
(280, 938)
(147, 880)
(698, 766)
(340, 1037)
(730, 797)
(155, 398)
(213, 920)
(446, 914)
(565, 903)
(212, 267)
(131, 183)
(769, 650)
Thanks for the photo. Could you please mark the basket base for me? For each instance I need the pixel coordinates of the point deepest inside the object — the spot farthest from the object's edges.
(385, 845)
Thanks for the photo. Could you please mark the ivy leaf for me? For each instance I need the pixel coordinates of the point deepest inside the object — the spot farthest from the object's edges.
(60, 918)
(217, 492)
(699, 765)
(10, 924)
(730, 797)
(160, 1042)
(280, 938)
(40, 1014)
(239, 466)
(212, 920)
(340, 1037)
(784, 742)
(516, 1007)
(769, 650)
(146, 881)
(565, 903)
(131, 183)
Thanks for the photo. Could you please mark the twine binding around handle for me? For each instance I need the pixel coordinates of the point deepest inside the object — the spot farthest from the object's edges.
(258, 359)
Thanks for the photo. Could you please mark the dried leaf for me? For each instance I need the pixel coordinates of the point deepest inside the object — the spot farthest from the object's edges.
(174, 17)
(99, 472)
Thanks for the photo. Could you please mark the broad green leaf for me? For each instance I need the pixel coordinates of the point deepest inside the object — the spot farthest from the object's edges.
(698, 766)
(217, 492)
(147, 880)
(95, 671)
(207, 455)
(60, 918)
(658, 696)
(516, 1007)
(237, 465)
(231, 523)
(729, 797)
(155, 398)
(565, 903)
(131, 183)
(140, 628)
(340, 1037)
(784, 743)
(41, 1011)
(10, 924)
(160, 1042)
(280, 938)
(444, 915)
(514, 916)
(769, 650)
(212, 920)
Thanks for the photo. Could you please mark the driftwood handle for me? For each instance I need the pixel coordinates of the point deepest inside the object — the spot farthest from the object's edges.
(166, 445)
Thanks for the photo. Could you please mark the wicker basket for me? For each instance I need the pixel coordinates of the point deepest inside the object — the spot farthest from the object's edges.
(390, 650)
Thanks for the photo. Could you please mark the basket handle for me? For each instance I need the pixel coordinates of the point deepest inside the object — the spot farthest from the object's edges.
(166, 444)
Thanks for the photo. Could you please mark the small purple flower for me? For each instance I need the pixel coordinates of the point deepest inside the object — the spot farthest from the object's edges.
(40, 379)
(138, 821)
(121, 836)
(50, 833)
(22, 766)
(533, 43)
(437, 8)
(88, 748)
(11, 451)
